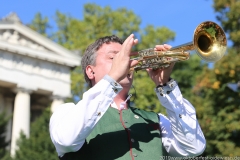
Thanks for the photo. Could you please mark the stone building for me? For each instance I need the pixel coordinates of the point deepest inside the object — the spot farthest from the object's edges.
(34, 74)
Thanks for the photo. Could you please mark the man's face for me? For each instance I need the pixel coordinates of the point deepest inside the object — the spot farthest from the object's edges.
(104, 61)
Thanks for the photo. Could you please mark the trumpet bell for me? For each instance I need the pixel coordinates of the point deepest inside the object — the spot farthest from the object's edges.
(209, 41)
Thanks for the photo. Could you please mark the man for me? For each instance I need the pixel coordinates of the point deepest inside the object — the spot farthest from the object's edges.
(103, 126)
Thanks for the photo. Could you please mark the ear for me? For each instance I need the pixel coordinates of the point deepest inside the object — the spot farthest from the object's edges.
(90, 72)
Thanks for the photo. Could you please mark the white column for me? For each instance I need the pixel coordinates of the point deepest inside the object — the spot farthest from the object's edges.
(56, 102)
(9, 106)
(21, 117)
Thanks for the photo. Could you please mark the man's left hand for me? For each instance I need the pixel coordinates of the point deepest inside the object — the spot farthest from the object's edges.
(161, 76)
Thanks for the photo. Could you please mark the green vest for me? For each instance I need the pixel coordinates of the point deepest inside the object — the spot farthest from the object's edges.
(127, 134)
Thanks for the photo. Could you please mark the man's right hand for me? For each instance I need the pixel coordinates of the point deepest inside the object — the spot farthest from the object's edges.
(121, 62)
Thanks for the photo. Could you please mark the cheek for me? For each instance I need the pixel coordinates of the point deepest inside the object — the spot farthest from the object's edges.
(106, 69)
(106, 66)
(103, 69)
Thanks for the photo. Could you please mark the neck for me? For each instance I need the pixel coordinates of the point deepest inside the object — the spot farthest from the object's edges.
(120, 98)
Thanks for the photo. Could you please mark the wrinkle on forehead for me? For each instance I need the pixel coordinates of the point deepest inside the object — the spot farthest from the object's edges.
(110, 48)
(113, 51)
(108, 53)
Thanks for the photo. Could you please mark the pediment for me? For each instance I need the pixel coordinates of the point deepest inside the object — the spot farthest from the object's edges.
(18, 38)
(14, 37)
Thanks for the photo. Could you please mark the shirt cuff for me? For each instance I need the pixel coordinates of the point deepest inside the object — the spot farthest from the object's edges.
(166, 88)
(169, 98)
(115, 86)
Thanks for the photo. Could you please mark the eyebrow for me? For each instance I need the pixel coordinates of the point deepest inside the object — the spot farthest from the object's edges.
(112, 51)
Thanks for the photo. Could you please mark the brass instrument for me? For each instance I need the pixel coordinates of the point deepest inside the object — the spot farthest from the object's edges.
(209, 41)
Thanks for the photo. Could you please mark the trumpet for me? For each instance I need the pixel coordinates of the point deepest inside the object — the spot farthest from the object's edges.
(209, 42)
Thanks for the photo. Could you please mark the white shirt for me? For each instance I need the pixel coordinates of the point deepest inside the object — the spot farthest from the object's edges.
(70, 124)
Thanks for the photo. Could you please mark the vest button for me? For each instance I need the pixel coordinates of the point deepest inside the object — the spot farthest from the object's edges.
(180, 116)
(136, 116)
(134, 154)
(115, 90)
(132, 140)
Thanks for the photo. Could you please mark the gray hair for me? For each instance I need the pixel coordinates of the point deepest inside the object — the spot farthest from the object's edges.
(89, 57)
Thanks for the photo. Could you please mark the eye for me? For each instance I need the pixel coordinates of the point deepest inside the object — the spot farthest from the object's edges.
(111, 57)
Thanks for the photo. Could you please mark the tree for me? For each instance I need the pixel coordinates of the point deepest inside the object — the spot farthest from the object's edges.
(40, 24)
(228, 14)
(218, 106)
(39, 145)
(3, 128)
(97, 22)
(219, 111)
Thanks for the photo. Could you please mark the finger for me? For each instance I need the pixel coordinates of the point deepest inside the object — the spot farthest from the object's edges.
(149, 70)
(128, 43)
(167, 46)
(152, 71)
(135, 41)
(133, 63)
(134, 53)
(172, 64)
(128, 40)
(159, 47)
(163, 47)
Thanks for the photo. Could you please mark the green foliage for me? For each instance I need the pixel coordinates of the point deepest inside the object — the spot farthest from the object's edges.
(40, 24)
(218, 107)
(185, 74)
(39, 145)
(228, 14)
(145, 95)
(150, 36)
(3, 126)
(97, 22)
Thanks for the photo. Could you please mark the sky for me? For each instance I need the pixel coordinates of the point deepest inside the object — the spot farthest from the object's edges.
(180, 16)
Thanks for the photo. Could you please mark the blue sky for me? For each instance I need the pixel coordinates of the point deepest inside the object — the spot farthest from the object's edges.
(181, 16)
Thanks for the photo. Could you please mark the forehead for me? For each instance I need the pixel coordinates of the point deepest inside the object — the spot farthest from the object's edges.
(109, 48)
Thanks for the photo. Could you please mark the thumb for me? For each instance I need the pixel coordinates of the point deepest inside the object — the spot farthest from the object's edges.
(133, 63)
